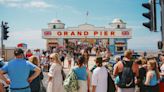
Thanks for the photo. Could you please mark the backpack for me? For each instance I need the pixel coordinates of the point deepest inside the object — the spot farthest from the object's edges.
(126, 76)
(111, 86)
(71, 82)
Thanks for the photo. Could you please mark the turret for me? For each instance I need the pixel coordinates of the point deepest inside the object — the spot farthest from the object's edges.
(118, 24)
(56, 24)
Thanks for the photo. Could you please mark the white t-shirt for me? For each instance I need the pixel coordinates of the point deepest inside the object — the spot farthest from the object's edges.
(99, 79)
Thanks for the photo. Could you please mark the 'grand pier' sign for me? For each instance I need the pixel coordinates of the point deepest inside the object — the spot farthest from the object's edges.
(86, 34)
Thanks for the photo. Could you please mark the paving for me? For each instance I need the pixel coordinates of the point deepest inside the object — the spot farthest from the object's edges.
(66, 70)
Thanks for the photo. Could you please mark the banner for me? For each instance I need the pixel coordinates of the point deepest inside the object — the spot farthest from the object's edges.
(86, 34)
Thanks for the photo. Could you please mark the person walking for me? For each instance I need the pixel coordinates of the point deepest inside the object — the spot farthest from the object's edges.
(36, 83)
(99, 77)
(18, 70)
(62, 56)
(28, 54)
(82, 75)
(126, 73)
(55, 79)
(69, 59)
(86, 57)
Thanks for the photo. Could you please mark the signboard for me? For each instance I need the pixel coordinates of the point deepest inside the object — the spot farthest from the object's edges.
(22, 46)
(86, 34)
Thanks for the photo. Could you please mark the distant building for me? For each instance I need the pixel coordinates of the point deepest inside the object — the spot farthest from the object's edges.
(114, 37)
(8, 53)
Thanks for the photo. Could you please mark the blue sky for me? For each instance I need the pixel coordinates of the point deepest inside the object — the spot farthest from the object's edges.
(26, 18)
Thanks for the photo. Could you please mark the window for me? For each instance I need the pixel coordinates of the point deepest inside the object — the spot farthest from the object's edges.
(54, 26)
(120, 49)
(118, 26)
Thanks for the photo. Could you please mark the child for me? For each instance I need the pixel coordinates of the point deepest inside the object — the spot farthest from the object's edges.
(69, 59)
(152, 76)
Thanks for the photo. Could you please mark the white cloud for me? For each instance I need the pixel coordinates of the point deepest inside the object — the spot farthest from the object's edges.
(28, 4)
(37, 4)
(41, 4)
(9, 1)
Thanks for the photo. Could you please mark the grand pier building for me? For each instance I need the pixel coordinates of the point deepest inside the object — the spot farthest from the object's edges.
(115, 36)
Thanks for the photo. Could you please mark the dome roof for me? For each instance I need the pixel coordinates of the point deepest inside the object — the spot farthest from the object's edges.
(117, 20)
(56, 21)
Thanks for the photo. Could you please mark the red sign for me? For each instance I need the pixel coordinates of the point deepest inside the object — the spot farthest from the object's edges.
(47, 33)
(125, 33)
(87, 34)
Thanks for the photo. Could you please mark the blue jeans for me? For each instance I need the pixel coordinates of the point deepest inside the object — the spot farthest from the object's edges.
(22, 90)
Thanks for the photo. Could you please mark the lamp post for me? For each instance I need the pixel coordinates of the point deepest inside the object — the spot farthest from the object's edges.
(162, 22)
(2, 46)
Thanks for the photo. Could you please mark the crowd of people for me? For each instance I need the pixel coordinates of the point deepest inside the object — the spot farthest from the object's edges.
(143, 72)
(25, 72)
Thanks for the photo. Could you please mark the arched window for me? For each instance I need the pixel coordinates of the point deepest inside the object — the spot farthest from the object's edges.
(118, 26)
(54, 26)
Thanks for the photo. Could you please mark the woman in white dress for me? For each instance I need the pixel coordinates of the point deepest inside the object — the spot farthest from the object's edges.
(55, 77)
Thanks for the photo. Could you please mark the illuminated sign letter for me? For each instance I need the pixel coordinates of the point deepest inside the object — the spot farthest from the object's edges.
(79, 33)
(125, 33)
(85, 33)
(59, 33)
(101, 33)
(46, 33)
(95, 33)
(105, 33)
(72, 33)
(65, 33)
(112, 33)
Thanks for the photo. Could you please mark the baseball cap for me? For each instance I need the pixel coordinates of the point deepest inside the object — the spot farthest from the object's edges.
(18, 51)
